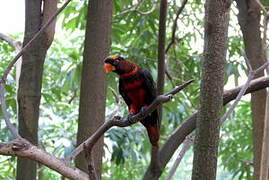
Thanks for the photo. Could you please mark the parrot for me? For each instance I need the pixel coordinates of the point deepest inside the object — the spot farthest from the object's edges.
(138, 89)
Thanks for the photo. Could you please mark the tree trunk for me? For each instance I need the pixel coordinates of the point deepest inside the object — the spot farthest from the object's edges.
(93, 82)
(161, 51)
(215, 47)
(30, 82)
(249, 20)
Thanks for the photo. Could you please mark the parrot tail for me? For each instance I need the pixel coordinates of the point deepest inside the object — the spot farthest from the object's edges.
(152, 125)
(154, 134)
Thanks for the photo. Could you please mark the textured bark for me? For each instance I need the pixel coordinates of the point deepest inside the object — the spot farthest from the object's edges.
(215, 47)
(30, 82)
(161, 51)
(93, 83)
(249, 19)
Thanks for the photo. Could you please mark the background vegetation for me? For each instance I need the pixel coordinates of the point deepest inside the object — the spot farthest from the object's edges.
(134, 36)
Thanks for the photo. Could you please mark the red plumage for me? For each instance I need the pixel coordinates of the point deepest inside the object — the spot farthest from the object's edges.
(138, 90)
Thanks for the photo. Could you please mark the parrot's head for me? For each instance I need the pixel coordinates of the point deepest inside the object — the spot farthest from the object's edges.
(118, 65)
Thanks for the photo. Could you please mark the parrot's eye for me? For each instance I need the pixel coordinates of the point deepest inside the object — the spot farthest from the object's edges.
(116, 62)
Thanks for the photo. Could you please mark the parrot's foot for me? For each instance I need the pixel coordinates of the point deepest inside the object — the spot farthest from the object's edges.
(142, 111)
(129, 118)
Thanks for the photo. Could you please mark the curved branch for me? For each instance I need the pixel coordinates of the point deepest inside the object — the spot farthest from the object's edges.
(135, 9)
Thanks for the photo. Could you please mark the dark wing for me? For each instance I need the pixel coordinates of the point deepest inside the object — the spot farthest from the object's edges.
(151, 94)
(149, 85)
(123, 93)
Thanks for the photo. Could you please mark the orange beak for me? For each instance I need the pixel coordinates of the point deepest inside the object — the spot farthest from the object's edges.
(109, 67)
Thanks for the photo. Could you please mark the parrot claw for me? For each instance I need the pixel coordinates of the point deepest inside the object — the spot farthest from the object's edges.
(142, 110)
(129, 118)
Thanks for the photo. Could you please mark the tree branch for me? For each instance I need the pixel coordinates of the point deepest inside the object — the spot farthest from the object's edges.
(10, 126)
(124, 122)
(16, 44)
(189, 125)
(251, 75)
(42, 29)
(22, 148)
(173, 38)
(135, 9)
(186, 146)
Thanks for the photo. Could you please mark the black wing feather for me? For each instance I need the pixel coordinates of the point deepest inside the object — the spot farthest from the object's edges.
(123, 93)
(150, 86)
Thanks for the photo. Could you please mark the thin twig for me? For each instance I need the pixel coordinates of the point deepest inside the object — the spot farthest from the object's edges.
(186, 146)
(251, 75)
(135, 8)
(117, 98)
(124, 122)
(173, 38)
(12, 129)
(262, 7)
(42, 29)
(238, 98)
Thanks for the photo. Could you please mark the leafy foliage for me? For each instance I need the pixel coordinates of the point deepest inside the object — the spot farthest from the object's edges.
(236, 143)
(134, 36)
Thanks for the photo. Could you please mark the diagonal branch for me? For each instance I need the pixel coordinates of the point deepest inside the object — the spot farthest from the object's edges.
(124, 122)
(42, 29)
(186, 146)
(251, 75)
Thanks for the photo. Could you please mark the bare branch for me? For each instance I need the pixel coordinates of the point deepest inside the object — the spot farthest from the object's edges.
(42, 29)
(124, 122)
(16, 44)
(12, 129)
(117, 98)
(262, 7)
(238, 98)
(186, 146)
(135, 8)
(149, 11)
(22, 148)
(173, 38)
